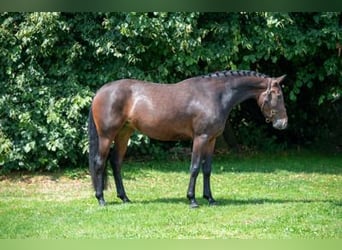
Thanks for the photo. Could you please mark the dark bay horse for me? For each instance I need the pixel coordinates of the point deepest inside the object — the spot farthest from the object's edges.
(194, 109)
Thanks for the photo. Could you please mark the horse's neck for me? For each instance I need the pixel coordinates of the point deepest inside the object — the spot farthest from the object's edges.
(243, 89)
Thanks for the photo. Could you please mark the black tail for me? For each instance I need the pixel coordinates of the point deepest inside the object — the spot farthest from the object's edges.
(94, 149)
(93, 145)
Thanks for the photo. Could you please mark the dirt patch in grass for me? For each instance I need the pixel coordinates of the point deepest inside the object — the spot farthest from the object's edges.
(47, 186)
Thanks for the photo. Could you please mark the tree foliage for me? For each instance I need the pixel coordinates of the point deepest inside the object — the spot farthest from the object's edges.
(52, 64)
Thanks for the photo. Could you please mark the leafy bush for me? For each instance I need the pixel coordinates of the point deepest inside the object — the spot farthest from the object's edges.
(52, 64)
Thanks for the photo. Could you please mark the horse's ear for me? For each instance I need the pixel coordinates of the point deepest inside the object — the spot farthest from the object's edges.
(280, 78)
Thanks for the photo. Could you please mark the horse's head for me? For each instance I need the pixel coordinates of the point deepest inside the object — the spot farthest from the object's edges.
(271, 102)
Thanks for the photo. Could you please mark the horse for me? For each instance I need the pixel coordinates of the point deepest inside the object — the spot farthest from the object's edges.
(194, 109)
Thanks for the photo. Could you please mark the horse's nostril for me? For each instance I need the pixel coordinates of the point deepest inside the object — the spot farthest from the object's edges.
(285, 123)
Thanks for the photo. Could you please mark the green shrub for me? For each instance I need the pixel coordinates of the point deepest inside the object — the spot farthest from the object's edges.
(52, 64)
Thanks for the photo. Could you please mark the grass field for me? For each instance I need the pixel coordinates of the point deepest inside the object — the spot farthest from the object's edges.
(284, 196)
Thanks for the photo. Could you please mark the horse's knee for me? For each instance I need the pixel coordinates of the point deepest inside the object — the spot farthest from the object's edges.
(206, 171)
(194, 171)
(206, 166)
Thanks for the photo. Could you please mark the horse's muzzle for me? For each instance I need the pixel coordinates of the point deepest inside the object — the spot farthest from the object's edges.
(280, 123)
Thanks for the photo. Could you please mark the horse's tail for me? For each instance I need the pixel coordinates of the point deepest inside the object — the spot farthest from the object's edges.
(94, 149)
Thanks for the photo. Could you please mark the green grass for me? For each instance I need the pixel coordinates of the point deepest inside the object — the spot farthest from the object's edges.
(261, 196)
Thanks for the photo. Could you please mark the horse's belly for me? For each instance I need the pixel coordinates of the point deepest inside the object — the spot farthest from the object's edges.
(164, 131)
(170, 134)
(161, 119)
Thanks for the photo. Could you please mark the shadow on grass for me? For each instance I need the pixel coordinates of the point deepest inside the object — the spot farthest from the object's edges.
(231, 202)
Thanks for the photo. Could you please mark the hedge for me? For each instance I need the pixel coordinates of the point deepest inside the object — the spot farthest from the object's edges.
(52, 64)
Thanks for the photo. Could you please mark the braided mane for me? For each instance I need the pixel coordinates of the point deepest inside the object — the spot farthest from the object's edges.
(227, 73)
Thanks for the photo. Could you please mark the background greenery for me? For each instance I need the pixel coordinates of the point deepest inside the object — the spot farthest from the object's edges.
(52, 64)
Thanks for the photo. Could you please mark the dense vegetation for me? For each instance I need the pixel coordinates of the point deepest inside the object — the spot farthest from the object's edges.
(52, 64)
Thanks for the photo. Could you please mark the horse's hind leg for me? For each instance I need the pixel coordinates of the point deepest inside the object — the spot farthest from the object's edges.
(100, 165)
(116, 158)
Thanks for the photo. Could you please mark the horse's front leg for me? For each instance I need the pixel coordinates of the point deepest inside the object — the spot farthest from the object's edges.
(199, 146)
(206, 167)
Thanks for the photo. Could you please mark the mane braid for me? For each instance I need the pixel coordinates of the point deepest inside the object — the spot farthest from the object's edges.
(227, 73)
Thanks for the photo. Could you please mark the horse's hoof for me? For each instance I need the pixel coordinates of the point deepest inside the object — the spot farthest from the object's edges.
(212, 203)
(126, 200)
(102, 203)
(194, 204)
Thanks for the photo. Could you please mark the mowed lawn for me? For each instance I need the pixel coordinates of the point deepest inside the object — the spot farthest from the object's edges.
(261, 196)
